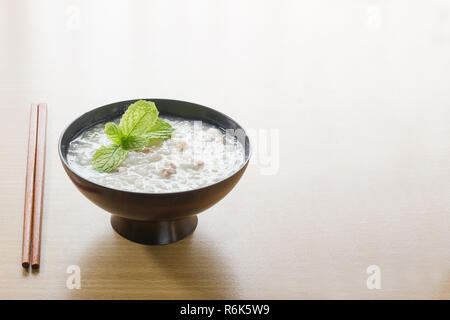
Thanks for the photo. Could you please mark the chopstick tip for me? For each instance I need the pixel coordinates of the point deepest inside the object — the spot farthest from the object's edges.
(26, 265)
(35, 266)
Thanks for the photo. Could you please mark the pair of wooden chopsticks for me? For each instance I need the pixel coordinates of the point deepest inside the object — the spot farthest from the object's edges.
(34, 186)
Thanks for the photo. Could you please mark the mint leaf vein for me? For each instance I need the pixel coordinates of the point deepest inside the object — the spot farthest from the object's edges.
(138, 127)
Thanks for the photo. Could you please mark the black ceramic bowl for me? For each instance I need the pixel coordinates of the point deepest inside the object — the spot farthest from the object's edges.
(153, 218)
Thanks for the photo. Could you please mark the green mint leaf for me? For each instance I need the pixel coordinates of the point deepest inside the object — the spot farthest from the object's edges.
(139, 117)
(160, 130)
(134, 142)
(106, 159)
(139, 127)
(113, 132)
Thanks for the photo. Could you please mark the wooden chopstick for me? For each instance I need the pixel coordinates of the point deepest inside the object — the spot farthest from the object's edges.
(29, 186)
(39, 185)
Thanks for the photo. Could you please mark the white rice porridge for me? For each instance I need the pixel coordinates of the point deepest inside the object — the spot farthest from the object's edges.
(198, 154)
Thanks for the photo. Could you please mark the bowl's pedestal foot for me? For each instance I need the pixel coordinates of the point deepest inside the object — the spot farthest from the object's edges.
(154, 232)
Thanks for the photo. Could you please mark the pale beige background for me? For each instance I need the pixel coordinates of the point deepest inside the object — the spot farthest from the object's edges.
(360, 94)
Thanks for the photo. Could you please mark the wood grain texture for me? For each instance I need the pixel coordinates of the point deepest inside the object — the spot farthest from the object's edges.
(39, 184)
(29, 186)
(362, 111)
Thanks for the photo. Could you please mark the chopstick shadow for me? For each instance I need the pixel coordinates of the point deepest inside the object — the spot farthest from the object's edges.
(27, 271)
(188, 269)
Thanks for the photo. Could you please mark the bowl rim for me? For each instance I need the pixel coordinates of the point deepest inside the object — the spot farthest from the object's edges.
(68, 167)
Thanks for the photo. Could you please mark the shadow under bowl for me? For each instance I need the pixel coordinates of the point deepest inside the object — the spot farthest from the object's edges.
(153, 218)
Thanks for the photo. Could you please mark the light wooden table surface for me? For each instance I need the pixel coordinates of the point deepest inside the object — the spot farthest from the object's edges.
(355, 95)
